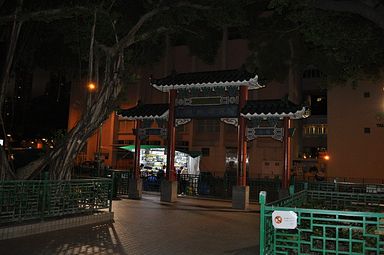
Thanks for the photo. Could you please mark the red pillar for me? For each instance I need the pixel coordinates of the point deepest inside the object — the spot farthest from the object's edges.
(242, 141)
(287, 153)
(171, 172)
(136, 159)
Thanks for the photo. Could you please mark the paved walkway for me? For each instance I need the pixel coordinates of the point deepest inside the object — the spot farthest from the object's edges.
(148, 226)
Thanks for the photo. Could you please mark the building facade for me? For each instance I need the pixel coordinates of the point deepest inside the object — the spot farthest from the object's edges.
(323, 140)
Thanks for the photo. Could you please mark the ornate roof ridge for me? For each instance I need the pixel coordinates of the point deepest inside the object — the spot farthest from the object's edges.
(219, 78)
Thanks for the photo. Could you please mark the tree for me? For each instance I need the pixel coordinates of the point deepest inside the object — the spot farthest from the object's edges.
(111, 64)
(17, 19)
(337, 34)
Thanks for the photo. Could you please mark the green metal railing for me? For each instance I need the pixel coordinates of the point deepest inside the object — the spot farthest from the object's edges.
(202, 185)
(337, 186)
(327, 223)
(40, 199)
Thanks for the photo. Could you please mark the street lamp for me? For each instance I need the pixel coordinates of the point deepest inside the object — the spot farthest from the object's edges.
(91, 86)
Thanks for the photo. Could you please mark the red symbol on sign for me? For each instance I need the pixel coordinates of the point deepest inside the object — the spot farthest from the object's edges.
(278, 220)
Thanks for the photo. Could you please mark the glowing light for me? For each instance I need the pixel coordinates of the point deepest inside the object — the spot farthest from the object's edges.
(326, 157)
(91, 86)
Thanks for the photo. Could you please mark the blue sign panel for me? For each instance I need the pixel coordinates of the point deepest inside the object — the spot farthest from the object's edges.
(207, 111)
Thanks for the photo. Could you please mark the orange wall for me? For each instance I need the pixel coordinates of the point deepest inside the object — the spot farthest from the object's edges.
(352, 152)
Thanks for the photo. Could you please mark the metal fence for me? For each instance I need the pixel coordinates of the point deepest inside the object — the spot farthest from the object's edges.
(337, 186)
(40, 199)
(327, 223)
(202, 185)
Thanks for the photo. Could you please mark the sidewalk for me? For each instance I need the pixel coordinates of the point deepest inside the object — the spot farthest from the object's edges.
(148, 226)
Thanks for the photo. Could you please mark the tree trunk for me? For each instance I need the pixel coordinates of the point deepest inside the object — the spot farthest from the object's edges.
(5, 169)
(61, 159)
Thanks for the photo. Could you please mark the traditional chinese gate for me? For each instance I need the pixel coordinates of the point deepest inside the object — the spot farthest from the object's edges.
(218, 94)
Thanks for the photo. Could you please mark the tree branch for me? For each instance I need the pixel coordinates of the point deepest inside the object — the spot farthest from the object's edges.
(145, 36)
(129, 39)
(91, 47)
(374, 14)
(1, 2)
(48, 15)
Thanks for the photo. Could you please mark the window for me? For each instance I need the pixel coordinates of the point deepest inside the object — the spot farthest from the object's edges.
(182, 128)
(367, 130)
(125, 126)
(312, 73)
(182, 143)
(208, 126)
(127, 142)
(367, 94)
(205, 152)
(152, 142)
(315, 129)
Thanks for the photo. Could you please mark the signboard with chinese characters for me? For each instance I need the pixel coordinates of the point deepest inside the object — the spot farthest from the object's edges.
(284, 219)
(207, 111)
(144, 132)
(273, 132)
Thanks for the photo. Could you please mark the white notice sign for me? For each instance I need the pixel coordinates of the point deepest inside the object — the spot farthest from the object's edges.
(284, 219)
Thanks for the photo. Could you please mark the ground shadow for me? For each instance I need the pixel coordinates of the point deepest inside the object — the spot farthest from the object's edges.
(252, 250)
(92, 239)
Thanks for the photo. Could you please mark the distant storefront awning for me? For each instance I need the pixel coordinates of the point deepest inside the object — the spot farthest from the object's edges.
(131, 148)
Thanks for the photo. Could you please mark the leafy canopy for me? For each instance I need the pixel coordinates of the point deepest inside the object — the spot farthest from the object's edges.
(343, 45)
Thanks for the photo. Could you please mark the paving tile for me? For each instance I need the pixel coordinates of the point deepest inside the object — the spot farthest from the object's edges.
(148, 226)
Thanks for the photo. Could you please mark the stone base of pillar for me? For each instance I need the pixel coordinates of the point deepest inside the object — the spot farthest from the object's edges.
(168, 191)
(240, 197)
(135, 188)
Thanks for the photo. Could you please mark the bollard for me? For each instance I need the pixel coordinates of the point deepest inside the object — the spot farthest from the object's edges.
(262, 200)
(291, 190)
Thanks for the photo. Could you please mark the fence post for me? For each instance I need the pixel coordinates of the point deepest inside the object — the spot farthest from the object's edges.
(111, 190)
(262, 200)
(291, 190)
(335, 185)
(45, 193)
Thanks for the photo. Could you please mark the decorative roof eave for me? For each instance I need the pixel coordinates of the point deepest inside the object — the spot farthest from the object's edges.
(207, 79)
(251, 84)
(299, 114)
(145, 112)
(145, 117)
